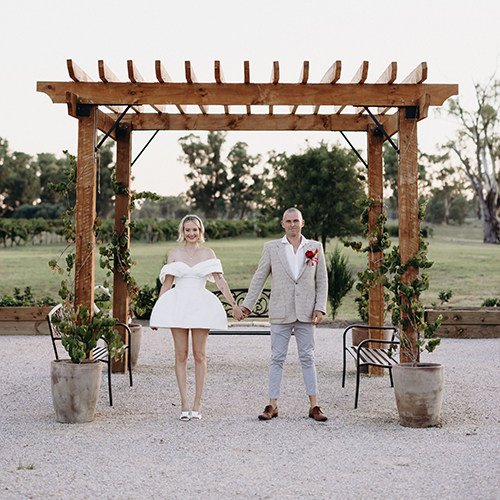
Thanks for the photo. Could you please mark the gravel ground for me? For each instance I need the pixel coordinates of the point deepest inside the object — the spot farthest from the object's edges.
(138, 449)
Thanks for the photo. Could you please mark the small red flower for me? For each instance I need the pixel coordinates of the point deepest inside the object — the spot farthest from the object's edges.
(311, 257)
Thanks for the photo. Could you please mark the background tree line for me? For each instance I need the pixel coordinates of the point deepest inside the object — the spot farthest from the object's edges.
(322, 181)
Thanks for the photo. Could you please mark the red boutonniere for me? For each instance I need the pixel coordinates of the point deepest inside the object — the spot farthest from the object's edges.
(312, 257)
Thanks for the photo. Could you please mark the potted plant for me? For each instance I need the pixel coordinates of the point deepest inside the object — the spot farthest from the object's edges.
(418, 386)
(75, 382)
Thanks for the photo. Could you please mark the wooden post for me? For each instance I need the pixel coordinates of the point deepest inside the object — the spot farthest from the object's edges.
(122, 210)
(85, 210)
(376, 192)
(408, 206)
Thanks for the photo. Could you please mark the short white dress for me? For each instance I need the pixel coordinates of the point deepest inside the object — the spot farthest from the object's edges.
(189, 304)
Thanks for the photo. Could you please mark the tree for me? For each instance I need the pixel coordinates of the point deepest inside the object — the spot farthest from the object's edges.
(219, 190)
(390, 158)
(105, 176)
(51, 169)
(446, 184)
(323, 184)
(477, 147)
(169, 207)
(245, 187)
(19, 182)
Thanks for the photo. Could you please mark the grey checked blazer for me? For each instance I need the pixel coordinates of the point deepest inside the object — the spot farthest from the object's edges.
(291, 300)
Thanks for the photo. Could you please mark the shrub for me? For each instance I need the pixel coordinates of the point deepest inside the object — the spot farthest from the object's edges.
(340, 279)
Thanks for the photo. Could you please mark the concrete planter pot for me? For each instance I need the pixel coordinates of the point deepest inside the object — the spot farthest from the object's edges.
(419, 393)
(75, 389)
(135, 343)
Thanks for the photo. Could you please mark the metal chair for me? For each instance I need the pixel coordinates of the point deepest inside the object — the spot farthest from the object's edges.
(100, 353)
(365, 355)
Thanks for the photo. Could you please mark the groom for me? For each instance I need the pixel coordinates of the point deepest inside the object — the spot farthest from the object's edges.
(298, 302)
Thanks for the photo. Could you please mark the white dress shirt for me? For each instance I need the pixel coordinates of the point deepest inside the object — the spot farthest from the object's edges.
(295, 259)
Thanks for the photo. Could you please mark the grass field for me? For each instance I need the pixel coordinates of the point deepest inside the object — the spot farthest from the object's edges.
(463, 263)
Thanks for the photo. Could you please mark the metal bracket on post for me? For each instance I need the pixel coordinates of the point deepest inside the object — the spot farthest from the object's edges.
(354, 149)
(83, 110)
(381, 129)
(112, 128)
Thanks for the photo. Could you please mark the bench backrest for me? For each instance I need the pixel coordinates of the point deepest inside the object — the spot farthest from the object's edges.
(261, 309)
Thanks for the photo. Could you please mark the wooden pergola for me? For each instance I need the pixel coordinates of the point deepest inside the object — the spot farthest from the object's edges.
(381, 110)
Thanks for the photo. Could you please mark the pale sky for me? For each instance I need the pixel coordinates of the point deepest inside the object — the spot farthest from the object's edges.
(459, 41)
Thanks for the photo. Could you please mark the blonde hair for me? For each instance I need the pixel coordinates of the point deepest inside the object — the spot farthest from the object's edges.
(197, 221)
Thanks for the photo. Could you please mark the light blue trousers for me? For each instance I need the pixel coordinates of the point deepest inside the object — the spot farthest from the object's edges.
(280, 338)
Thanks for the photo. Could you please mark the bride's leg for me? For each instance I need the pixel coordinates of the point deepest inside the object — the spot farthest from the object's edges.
(181, 343)
(200, 337)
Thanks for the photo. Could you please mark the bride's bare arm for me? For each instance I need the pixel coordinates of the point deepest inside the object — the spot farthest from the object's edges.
(224, 288)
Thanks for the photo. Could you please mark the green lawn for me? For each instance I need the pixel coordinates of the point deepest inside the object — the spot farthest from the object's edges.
(463, 263)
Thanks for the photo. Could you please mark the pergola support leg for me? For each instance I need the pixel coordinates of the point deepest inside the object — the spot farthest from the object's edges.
(122, 213)
(85, 210)
(376, 192)
(408, 207)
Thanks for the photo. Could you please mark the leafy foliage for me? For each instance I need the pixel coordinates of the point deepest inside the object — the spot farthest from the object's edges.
(402, 300)
(340, 279)
(323, 183)
(25, 299)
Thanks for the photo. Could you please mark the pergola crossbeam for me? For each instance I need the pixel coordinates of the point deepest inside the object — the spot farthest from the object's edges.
(191, 79)
(359, 78)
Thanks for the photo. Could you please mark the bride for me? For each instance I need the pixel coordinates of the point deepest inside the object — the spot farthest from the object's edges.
(189, 306)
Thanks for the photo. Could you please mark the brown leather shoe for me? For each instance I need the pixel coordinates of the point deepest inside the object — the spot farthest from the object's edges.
(269, 413)
(317, 414)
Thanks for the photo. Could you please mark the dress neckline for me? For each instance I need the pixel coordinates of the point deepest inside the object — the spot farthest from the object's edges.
(191, 267)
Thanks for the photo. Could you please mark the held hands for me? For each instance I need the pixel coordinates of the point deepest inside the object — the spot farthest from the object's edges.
(238, 313)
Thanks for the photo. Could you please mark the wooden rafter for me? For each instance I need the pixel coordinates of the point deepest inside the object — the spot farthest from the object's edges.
(135, 77)
(191, 78)
(331, 76)
(219, 78)
(163, 77)
(303, 78)
(107, 76)
(359, 78)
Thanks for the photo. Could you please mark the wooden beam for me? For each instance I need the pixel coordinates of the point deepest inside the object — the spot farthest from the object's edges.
(239, 94)
(78, 75)
(359, 78)
(85, 212)
(275, 78)
(303, 78)
(331, 76)
(246, 71)
(107, 76)
(71, 101)
(154, 121)
(418, 75)
(375, 192)
(408, 208)
(105, 122)
(163, 77)
(388, 76)
(191, 79)
(122, 213)
(219, 78)
(135, 77)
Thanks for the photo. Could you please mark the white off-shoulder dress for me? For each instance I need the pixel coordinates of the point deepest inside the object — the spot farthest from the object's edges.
(189, 304)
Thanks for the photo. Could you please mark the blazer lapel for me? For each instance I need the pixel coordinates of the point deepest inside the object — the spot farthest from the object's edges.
(304, 265)
(284, 260)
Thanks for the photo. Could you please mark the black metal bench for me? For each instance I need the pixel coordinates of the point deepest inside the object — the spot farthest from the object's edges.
(260, 311)
(364, 355)
(100, 353)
